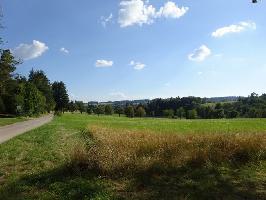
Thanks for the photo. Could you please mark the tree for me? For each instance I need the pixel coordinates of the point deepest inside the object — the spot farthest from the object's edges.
(192, 114)
(34, 101)
(72, 107)
(168, 113)
(108, 110)
(40, 80)
(99, 110)
(60, 96)
(119, 110)
(140, 112)
(129, 111)
(80, 106)
(7, 67)
(180, 112)
(90, 108)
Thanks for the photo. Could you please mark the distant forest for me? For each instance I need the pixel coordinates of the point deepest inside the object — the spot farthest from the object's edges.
(253, 106)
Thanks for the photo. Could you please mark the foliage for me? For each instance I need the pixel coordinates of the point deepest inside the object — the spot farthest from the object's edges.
(129, 111)
(168, 113)
(40, 80)
(99, 110)
(108, 110)
(60, 96)
(34, 101)
(140, 112)
(80, 106)
(119, 110)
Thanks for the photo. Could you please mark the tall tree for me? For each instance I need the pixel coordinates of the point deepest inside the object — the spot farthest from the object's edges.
(7, 67)
(108, 110)
(60, 96)
(140, 112)
(129, 111)
(40, 80)
(34, 100)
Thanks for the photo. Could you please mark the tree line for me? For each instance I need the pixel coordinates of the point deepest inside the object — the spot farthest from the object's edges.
(253, 106)
(29, 96)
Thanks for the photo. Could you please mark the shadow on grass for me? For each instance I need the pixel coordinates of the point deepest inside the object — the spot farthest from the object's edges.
(61, 183)
(189, 182)
(186, 182)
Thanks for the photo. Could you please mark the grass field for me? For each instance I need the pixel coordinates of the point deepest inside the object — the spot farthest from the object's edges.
(7, 121)
(89, 157)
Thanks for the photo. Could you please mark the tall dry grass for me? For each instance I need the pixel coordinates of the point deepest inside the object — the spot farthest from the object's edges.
(118, 152)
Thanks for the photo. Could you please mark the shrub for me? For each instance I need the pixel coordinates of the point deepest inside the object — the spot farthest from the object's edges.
(58, 113)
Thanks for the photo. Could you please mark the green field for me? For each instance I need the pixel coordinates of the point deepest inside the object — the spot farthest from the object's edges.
(179, 126)
(51, 162)
(7, 121)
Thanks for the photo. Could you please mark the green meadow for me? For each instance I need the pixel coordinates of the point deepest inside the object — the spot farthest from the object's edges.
(89, 157)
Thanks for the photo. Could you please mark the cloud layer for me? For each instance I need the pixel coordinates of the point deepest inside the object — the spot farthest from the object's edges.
(30, 51)
(234, 28)
(104, 63)
(138, 12)
(200, 54)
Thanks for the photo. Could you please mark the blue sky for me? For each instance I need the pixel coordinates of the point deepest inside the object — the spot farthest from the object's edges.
(133, 49)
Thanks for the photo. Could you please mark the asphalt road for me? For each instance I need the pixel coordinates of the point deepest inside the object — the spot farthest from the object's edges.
(12, 130)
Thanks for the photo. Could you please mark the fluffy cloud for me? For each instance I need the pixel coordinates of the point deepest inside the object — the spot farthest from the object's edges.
(104, 63)
(200, 54)
(170, 10)
(64, 50)
(139, 12)
(106, 20)
(234, 28)
(137, 65)
(30, 51)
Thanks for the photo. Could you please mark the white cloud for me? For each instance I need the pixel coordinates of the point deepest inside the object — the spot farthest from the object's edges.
(170, 10)
(200, 73)
(106, 20)
(30, 51)
(104, 63)
(234, 28)
(141, 12)
(137, 65)
(64, 50)
(200, 54)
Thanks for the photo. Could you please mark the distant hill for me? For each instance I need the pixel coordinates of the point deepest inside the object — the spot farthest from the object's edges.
(145, 101)
(221, 99)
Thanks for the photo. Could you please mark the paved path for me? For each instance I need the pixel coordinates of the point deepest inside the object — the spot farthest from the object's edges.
(12, 130)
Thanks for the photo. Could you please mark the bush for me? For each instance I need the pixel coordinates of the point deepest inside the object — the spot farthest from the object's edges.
(58, 113)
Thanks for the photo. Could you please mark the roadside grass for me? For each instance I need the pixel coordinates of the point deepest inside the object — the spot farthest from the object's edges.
(35, 165)
(7, 121)
(89, 157)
